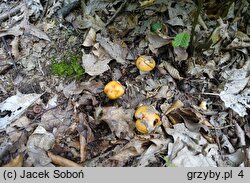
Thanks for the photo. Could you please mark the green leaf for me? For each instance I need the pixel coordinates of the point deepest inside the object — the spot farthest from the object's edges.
(181, 40)
(156, 27)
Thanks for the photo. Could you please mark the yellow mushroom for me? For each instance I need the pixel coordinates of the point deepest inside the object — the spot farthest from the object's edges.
(147, 119)
(145, 63)
(114, 90)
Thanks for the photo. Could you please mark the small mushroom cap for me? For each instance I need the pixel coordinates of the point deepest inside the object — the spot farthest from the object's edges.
(145, 63)
(147, 119)
(141, 127)
(114, 90)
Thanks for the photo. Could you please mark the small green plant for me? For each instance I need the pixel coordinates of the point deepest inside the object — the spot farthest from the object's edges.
(156, 27)
(181, 40)
(69, 66)
(168, 163)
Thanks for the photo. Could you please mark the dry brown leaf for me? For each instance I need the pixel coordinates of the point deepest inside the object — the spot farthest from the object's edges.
(134, 148)
(156, 42)
(191, 149)
(58, 160)
(242, 36)
(120, 121)
(180, 54)
(83, 148)
(38, 143)
(176, 105)
(236, 43)
(116, 51)
(94, 66)
(16, 162)
(14, 47)
(193, 119)
(90, 38)
(149, 155)
(172, 71)
(57, 119)
(85, 136)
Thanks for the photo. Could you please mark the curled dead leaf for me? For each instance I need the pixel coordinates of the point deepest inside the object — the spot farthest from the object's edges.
(90, 38)
(14, 48)
(58, 160)
(176, 105)
(120, 121)
(16, 162)
(172, 71)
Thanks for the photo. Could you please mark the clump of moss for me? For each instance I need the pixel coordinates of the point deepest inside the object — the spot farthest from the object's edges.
(69, 66)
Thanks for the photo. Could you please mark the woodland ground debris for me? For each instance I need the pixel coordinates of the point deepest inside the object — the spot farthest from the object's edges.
(201, 53)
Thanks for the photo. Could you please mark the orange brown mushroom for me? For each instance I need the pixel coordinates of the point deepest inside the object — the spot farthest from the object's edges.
(145, 63)
(147, 119)
(114, 90)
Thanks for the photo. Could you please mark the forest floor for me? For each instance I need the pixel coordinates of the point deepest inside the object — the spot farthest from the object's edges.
(57, 56)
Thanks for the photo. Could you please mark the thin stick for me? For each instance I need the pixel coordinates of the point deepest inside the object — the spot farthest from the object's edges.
(12, 12)
(116, 13)
(7, 48)
(214, 94)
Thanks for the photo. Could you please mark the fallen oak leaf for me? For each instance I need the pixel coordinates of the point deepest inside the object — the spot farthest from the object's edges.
(115, 50)
(16, 162)
(24, 28)
(120, 121)
(58, 160)
(172, 71)
(93, 66)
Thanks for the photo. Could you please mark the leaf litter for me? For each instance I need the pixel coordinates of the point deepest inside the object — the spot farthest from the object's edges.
(200, 84)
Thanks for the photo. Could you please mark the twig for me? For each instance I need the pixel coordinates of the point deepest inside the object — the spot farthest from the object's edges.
(7, 48)
(223, 127)
(12, 12)
(116, 13)
(214, 94)
(45, 9)
(196, 18)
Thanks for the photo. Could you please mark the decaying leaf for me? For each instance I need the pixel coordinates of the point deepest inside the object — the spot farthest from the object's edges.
(199, 70)
(147, 2)
(176, 105)
(156, 42)
(14, 106)
(220, 33)
(190, 149)
(24, 27)
(180, 53)
(14, 47)
(236, 44)
(133, 148)
(90, 38)
(72, 89)
(120, 121)
(172, 71)
(58, 160)
(56, 119)
(116, 51)
(93, 66)
(38, 143)
(149, 155)
(236, 91)
(16, 162)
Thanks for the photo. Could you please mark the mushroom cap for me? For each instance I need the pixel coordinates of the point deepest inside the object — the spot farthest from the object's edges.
(114, 90)
(147, 119)
(145, 63)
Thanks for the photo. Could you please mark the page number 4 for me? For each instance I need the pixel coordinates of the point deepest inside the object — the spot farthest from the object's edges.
(241, 174)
